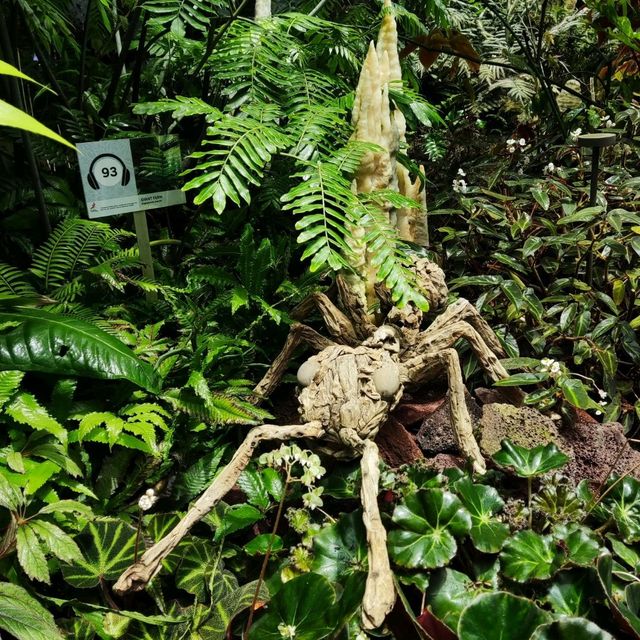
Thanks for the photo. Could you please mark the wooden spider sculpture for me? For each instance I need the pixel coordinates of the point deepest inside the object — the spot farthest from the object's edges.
(347, 394)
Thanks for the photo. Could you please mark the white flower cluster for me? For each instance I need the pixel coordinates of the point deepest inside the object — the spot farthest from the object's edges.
(573, 136)
(603, 401)
(513, 145)
(606, 121)
(460, 184)
(291, 454)
(147, 500)
(287, 630)
(552, 367)
(549, 169)
(312, 498)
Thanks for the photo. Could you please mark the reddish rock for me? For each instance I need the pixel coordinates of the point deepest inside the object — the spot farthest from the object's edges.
(397, 446)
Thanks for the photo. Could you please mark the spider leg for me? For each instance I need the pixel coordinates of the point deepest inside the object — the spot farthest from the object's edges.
(298, 334)
(460, 418)
(136, 577)
(463, 310)
(379, 595)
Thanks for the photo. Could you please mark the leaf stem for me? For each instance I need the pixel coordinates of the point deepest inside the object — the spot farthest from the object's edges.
(529, 492)
(267, 555)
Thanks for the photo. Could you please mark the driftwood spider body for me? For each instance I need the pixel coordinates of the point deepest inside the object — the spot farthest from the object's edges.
(348, 390)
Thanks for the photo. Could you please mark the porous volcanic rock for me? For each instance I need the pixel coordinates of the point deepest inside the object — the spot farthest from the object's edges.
(397, 446)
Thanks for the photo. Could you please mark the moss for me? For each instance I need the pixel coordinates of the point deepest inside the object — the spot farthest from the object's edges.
(522, 425)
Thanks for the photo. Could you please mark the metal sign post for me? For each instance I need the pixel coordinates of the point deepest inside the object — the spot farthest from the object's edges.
(110, 188)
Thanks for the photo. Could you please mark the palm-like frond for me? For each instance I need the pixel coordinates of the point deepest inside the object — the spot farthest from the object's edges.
(328, 207)
(179, 107)
(73, 246)
(180, 13)
(242, 146)
(13, 281)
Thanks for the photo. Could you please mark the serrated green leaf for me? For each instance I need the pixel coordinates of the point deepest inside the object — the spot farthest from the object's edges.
(30, 554)
(23, 616)
(528, 463)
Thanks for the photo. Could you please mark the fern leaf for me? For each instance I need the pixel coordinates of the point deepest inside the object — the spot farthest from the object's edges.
(13, 281)
(9, 383)
(328, 206)
(242, 148)
(180, 13)
(180, 107)
(25, 409)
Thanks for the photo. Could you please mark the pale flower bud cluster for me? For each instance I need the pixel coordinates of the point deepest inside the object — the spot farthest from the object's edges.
(603, 401)
(552, 367)
(288, 455)
(549, 169)
(287, 630)
(513, 145)
(573, 136)
(147, 500)
(606, 121)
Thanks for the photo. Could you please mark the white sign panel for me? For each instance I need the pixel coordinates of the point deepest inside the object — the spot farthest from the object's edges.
(108, 177)
(109, 181)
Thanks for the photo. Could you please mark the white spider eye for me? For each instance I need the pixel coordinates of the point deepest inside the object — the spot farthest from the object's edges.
(387, 380)
(307, 371)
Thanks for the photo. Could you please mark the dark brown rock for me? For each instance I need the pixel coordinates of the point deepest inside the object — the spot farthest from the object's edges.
(397, 446)
(436, 433)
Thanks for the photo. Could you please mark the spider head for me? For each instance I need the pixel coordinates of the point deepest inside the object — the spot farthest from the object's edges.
(385, 337)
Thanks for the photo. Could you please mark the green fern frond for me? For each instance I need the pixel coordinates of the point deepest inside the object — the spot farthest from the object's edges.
(9, 383)
(242, 148)
(180, 13)
(328, 206)
(316, 127)
(13, 281)
(254, 60)
(180, 107)
(73, 245)
(387, 253)
(221, 409)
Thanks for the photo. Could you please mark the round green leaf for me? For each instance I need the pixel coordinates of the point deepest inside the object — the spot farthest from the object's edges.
(487, 533)
(448, 594)
(580, 543)
(500, 615)
(529, 556)
(341, 548)
(108, 547)
(304, 607)
(530, 462)
(428, 522)
(570, 629)
(573, 592)
(263, 543)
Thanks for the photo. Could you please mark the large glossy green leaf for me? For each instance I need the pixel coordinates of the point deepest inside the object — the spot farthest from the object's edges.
(581, 545)
(622, 503)
(36, 340)
(530, 462)
(341, 548)
(23, 616)
(500, 615)
(108, 547)
(449, 593)
(625, 605)
(482, 502)
(304, 609)
(530, 556)
(570, 629)
(573, 592)
(428, 522)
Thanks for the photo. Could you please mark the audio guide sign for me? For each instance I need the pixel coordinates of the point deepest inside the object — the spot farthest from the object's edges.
(109, 169)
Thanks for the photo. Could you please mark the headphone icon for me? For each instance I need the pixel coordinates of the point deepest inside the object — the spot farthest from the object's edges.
(93, 182)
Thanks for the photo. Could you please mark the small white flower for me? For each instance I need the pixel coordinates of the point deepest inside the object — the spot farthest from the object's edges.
(459, 186)
(575, 133)
(511, 149)
(598, 413)
(312, 499)
(603, 403)
(522, 142)
(520, 171)
(606, 121)
(461, 173)
(546, 362)
(555, 369)
(511, 141)
(549, 169)
(150, 492)
(146, 502)
(287, 630)
(603, 394)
